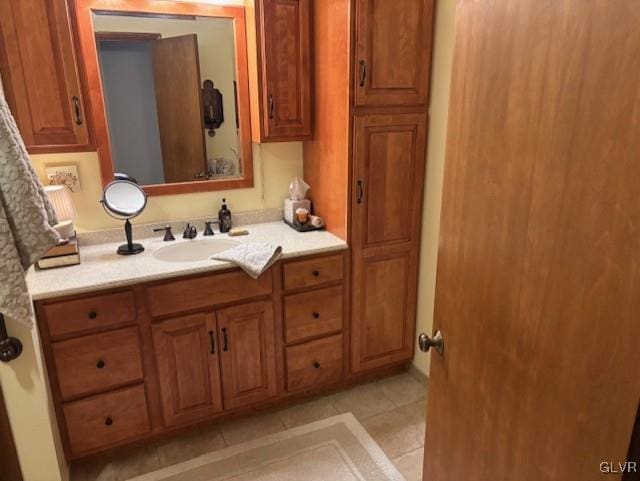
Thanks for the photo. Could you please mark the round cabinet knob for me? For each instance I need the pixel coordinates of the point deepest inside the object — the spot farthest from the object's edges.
(316, 364)
(316, 315)
(100, 364)
(93, 315)
(108, 421)
(316, 273)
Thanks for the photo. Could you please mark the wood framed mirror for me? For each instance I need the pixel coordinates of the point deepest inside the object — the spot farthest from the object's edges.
(168, 90)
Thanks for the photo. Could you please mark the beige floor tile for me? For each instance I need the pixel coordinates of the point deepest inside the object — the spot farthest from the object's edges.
(363, 401)
(138, 462)
(403, 389)
(190, 445)
(410, 464)
(398, 431)
(308, 412)
(254, 427)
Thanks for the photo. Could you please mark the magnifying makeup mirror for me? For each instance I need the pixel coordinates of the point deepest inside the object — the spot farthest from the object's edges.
(124, 199)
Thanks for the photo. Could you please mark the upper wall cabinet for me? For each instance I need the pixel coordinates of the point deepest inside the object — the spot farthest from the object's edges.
(280, 69)
(393, 44)
(40, 76)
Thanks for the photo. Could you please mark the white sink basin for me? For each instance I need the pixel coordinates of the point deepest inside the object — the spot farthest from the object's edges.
(193, 250)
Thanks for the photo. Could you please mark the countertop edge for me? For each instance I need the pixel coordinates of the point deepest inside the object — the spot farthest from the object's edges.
(171, 275)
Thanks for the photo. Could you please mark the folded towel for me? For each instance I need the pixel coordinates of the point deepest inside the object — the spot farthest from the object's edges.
(252, 257)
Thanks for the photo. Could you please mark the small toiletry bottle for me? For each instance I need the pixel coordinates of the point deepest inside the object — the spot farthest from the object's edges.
(224, 215)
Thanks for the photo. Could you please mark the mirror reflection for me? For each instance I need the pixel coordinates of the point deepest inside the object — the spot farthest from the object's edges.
(170, 94)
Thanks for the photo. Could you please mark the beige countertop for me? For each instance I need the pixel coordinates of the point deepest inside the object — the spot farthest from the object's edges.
(102, 268)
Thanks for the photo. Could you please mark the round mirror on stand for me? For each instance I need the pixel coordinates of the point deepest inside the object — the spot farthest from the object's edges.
(124, 199)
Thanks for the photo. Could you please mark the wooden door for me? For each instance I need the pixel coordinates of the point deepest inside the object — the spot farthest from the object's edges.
(246, 334)
(187, 360)
(286, 69)
(9, 465)
(392, 52)
(40, 76)
(539, 262)
(389, 155)
(176, 68)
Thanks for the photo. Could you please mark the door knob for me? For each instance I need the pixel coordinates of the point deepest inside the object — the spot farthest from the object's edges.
(437, 342)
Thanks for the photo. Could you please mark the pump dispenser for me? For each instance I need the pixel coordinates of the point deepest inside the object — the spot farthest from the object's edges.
(224, 215)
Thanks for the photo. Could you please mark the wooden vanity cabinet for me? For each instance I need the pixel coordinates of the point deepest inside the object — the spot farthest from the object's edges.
(280, 69)
(135, 363)
(40, 75)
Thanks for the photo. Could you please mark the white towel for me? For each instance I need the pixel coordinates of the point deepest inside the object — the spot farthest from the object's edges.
(252, 257)
(26, 220)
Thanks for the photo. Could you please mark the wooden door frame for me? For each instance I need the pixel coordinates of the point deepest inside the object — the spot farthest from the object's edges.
(84, 10)
(9, 464)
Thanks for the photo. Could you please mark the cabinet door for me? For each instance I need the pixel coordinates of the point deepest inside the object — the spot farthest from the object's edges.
(188, 368)
(248, 360)
(393, 52)
(384, 307)
(40, 75)
(389, 154)
(286, 69)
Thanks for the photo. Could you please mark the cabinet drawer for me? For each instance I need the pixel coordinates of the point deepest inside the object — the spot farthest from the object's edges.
(107, 419)
(206, 291)
(314, 363)
(91, 364)
(312, 272)
(313, 314)
(89, 313)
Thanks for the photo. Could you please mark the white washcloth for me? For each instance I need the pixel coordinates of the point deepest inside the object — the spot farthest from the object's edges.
(252, 257)
(26, 220)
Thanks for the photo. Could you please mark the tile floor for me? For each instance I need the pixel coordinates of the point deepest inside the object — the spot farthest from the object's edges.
(392, 410)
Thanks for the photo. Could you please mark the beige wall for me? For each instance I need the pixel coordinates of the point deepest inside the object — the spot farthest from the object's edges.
(441, 77)
(274, 165)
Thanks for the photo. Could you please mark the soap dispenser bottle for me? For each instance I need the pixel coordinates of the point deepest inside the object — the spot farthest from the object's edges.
(224, 215)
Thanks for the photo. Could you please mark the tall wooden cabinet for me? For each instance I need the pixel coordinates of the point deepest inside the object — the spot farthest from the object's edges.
(40, 75)
(383, 131)
(280, 69)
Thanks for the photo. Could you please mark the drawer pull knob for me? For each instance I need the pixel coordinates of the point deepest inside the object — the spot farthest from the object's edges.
(316, 315)
(316, 273)
(93, 315)
(316, 364)
(108, 421)
(100, 364)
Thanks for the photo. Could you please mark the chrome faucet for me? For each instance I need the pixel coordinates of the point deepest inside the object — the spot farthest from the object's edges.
(190, 232)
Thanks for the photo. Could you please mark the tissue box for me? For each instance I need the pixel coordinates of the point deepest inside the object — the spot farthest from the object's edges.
(290, 207)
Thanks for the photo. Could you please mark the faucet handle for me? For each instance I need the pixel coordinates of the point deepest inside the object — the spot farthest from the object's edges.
(168, 236)
(189, 231)
(208, 231)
